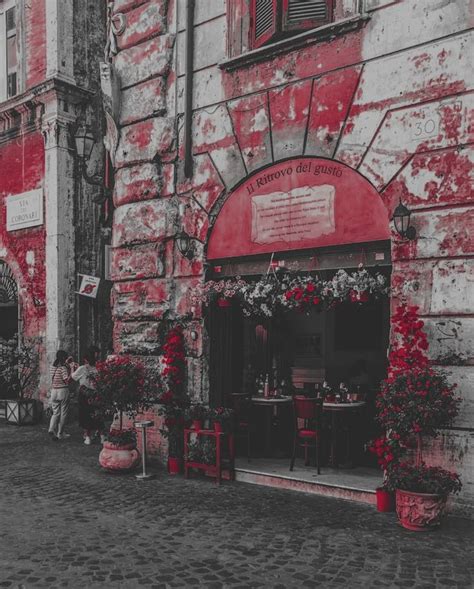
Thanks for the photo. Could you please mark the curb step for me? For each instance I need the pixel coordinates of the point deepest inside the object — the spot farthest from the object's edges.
(244, 475)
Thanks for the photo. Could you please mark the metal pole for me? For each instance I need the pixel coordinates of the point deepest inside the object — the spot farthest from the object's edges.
(143, 425)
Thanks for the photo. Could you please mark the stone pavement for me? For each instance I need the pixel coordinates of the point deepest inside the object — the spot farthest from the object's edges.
(64, 523)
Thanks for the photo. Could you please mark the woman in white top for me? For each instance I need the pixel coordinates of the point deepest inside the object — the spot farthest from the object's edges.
(90, 417)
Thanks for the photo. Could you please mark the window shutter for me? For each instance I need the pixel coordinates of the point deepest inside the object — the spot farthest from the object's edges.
(264, 21)
(306, 14)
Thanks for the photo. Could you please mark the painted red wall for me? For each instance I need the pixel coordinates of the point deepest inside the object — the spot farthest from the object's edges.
(22, 169)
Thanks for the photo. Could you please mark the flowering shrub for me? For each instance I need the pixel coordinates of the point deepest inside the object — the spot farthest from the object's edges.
(409, 350)
(122, 436)
(423, 479)
(121, 386)
(387, 449)
(173, 360)
(415, 398)
(416, 402)
(173, 404)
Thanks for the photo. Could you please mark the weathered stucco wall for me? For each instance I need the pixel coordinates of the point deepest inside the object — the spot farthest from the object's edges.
(59, 47)
(391, 99)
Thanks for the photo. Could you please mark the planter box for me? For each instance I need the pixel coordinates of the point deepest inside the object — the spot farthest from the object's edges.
(21, 411)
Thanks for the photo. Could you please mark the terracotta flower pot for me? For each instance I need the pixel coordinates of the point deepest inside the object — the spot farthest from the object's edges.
(419, 512)
(385, 500)
(218, 426)
(197, 424)
(174, 465)
(119, 457)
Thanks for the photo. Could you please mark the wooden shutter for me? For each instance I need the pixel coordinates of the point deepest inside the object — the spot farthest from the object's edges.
(306, 14)
(263, 21)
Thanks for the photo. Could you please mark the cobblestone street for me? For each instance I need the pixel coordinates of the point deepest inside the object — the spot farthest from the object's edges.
(64, 523)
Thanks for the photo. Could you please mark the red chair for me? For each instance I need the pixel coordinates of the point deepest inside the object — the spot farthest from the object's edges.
(307, 412)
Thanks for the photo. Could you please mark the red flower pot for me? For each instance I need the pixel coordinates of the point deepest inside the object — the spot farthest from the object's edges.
(223, 302)
(174, 465)
(197, 424)
(419, 512)
(218, 426)
(385, 500)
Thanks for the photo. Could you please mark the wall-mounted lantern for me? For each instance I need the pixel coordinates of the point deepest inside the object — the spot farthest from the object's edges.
(185, 244)
(401, 219)
(84, 140)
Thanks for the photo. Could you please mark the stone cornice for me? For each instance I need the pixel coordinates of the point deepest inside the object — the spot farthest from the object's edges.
(23, 113)
(318, 35)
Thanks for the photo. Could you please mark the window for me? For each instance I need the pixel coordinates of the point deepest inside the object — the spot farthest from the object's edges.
(274, 19)
(8, 50)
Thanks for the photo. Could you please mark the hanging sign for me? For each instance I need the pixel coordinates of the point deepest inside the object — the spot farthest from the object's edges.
(89, 286)
(25, 210)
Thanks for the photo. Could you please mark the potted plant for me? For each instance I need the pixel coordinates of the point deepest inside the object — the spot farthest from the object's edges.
(197, 413)
(421, 493)
(221, 417)
(19, 373)
(121, 388)
(414, 401)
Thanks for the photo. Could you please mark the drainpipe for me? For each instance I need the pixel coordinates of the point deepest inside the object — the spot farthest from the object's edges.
(188, 90)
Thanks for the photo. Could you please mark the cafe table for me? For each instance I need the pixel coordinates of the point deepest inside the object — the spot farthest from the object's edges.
(271, 405)
(337, 410)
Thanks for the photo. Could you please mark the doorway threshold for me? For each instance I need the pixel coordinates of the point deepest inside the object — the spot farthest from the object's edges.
(354, 484)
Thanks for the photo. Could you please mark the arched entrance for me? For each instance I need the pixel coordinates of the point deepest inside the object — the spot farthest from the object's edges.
(306, 215)
(8, 311)
(8, 303)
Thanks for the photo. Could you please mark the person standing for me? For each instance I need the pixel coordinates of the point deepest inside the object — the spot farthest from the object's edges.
(90, 418)
(60, 377)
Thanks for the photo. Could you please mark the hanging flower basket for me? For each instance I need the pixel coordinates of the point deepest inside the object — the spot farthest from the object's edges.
(275, 293)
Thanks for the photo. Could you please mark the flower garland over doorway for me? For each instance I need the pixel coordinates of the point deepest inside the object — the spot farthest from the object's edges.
(285, 291)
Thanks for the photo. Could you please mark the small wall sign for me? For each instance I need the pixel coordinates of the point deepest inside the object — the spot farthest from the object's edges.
(25, 210)
(89, 286)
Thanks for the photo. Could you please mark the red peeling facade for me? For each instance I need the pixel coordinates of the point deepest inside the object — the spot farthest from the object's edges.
(383, 92)
(55, 80)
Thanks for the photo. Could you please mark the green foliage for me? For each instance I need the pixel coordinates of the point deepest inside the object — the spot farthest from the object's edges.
(422, 479)
(19, 367)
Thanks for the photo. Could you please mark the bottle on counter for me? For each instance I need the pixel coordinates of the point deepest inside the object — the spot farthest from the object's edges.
(266, 388)
(317, 391)
(343, 393)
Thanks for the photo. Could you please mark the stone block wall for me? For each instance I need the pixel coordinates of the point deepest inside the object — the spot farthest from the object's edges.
(390, 98)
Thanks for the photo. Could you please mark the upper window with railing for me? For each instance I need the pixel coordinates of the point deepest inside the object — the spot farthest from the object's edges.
(8, 50)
